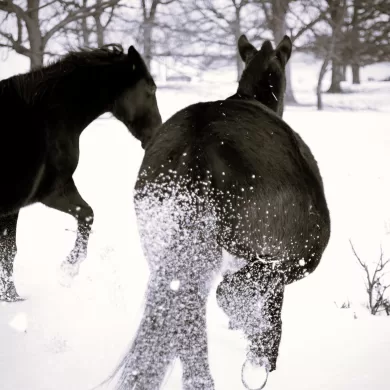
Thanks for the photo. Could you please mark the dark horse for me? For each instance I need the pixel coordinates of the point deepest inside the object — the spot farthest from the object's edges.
(43, 113)
(231, 175)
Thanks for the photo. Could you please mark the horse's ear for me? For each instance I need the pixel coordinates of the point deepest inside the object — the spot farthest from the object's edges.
(246, 49)
(284, 49)
(132, 53)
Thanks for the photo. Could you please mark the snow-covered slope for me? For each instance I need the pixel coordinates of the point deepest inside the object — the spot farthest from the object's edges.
(71, 338)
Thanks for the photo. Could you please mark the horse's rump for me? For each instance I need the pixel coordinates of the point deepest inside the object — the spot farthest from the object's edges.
(266, 193)
(177, 225)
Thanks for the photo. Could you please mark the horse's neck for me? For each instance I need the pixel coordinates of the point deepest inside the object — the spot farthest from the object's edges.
(278, 109)
(70, 118)
(237, 96)
(75, 101)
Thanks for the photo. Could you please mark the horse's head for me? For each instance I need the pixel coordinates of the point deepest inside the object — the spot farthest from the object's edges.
(264, 77)
(137, 106)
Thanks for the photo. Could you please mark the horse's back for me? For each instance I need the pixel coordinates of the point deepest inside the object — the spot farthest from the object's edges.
(240, 143)
(262, 176)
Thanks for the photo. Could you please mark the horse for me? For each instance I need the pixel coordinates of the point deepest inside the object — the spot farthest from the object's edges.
(43, 115)
(224, 175)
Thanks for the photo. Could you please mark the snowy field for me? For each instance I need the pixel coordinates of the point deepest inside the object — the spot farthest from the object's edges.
(71, 338)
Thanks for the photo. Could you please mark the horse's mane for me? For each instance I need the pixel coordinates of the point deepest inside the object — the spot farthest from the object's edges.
(88, 56)
(32, 86)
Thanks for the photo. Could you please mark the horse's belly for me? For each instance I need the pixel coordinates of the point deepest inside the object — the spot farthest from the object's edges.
(22, 169)
(283, 229)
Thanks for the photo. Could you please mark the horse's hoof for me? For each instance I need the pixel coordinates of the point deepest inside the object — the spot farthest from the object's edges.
(251, 371)
(131, 382)
(5, 298)
(199, 383)
(10, 294)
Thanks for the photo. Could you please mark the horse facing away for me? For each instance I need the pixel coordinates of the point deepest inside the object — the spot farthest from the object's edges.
(43, 115)
(231, 175)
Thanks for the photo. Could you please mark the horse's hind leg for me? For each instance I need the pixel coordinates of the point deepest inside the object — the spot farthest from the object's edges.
(70, 201)
(193, 343)
(173, 325)
(7, 255)
(253, 299)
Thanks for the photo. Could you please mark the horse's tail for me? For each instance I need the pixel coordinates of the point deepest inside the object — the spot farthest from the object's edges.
(118, 377)
(120, 366)
(124, 370)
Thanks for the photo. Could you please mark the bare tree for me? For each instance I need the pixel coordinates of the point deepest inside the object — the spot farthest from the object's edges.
(375, 284)
(149, 11)
(345, 50)
(363, 39)
(92, 29)
(210, 30)
(275, 12)
(324, 43)
(355, 40)
(337, 11)
(38, 21)
(230, 20)
(294, 18)
(368, 35)
(201, 33)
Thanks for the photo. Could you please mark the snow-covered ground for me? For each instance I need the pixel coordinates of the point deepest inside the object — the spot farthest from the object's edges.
(72, 338)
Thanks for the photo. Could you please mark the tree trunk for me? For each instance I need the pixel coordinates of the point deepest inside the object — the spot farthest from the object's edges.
(279, 28)
(289, 96)
(355, 74)
(99, 26)
(344, 73)
(34, 35)
(335, 86)
(330, 52)
(337, 10)
(84, 28)
(320, 105)
(355, 42)
(149, 17)
(237, 34)
(99, 31)
(85, 31)
(147, 54)
(36, 58)
(370, 298)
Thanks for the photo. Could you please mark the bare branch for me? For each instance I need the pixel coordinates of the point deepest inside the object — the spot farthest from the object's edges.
(357, 256)
(369, 285)
(109, 20)
(15, 45)
(76, 15)
(375, 287)
(10, 6)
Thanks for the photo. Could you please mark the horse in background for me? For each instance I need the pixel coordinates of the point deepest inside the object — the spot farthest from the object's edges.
(232, 175)
(43, 114)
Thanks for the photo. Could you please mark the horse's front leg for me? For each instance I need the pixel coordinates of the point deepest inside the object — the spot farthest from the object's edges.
(253, 299)
(70, 201)
(7, 255)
